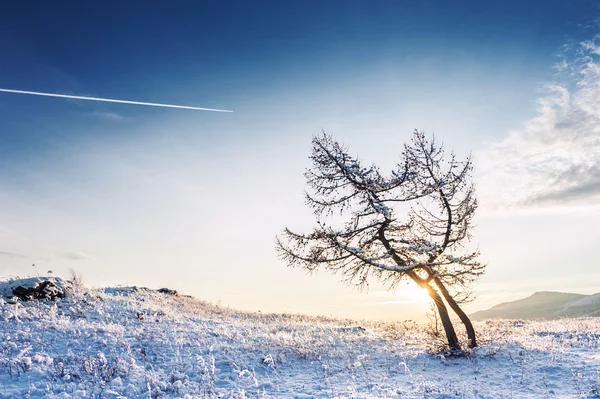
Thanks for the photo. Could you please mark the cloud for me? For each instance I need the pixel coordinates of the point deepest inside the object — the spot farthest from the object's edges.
(70, 255)
(554, 160)
(13, 255)
(5, 232)
(64, 255)
(108, 116)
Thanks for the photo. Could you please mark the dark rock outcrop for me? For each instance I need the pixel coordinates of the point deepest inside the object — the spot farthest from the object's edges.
(35, 288)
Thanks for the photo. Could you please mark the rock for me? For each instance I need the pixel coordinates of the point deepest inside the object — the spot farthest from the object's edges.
(50, 288)
(352, 330)
(167, 291)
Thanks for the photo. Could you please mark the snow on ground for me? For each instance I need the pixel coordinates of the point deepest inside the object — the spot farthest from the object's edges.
(48, 287)
(139, 343)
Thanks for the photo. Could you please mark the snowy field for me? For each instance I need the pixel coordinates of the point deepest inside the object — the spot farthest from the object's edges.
(138, 343)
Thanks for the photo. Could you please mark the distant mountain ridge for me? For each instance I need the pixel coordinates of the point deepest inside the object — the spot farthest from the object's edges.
(544, 305)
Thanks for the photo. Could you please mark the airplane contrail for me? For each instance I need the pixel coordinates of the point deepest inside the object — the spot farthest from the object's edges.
(110, 100)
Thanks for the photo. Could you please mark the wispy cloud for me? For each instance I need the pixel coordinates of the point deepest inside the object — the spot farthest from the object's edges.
(108, 116)
(71, 255)
(555, 158)
(6, 232)
(49, 256)
(13, 255)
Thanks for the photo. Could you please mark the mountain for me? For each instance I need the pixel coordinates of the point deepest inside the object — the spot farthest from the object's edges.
(544, 305)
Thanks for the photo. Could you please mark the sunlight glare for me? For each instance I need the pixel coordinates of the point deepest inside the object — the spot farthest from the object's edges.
(412, 293)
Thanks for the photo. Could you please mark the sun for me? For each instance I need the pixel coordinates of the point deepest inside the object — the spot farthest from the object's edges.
(411, 293)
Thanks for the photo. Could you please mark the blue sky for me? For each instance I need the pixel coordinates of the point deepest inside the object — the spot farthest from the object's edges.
(192, 200)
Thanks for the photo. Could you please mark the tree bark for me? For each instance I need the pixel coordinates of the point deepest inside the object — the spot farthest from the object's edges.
(459, 312)
(444, 317)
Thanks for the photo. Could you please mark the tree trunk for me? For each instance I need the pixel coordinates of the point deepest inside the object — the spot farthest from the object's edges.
(459, 312)
(444, 317)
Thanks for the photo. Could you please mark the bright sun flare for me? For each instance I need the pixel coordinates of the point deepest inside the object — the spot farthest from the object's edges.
(412, 294)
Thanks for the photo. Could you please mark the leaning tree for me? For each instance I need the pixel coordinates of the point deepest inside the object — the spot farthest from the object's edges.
(411, 224)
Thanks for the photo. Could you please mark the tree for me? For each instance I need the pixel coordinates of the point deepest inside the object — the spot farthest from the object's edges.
(411, 224)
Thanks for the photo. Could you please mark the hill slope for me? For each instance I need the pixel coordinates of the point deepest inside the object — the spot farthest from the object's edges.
(140, 343)
(544, 305)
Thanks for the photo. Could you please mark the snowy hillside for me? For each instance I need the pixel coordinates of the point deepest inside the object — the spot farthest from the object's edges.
(544, 305)
(588, 306)
(140, 343)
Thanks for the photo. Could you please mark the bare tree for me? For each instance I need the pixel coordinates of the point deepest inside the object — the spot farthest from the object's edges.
(410, 224)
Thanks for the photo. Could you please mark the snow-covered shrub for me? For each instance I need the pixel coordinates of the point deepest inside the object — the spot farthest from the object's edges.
(92, 345)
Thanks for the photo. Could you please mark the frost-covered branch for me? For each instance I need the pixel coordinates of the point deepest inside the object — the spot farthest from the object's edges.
(411, 223)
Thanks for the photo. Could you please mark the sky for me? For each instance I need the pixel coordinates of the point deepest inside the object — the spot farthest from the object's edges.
(192, 200)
